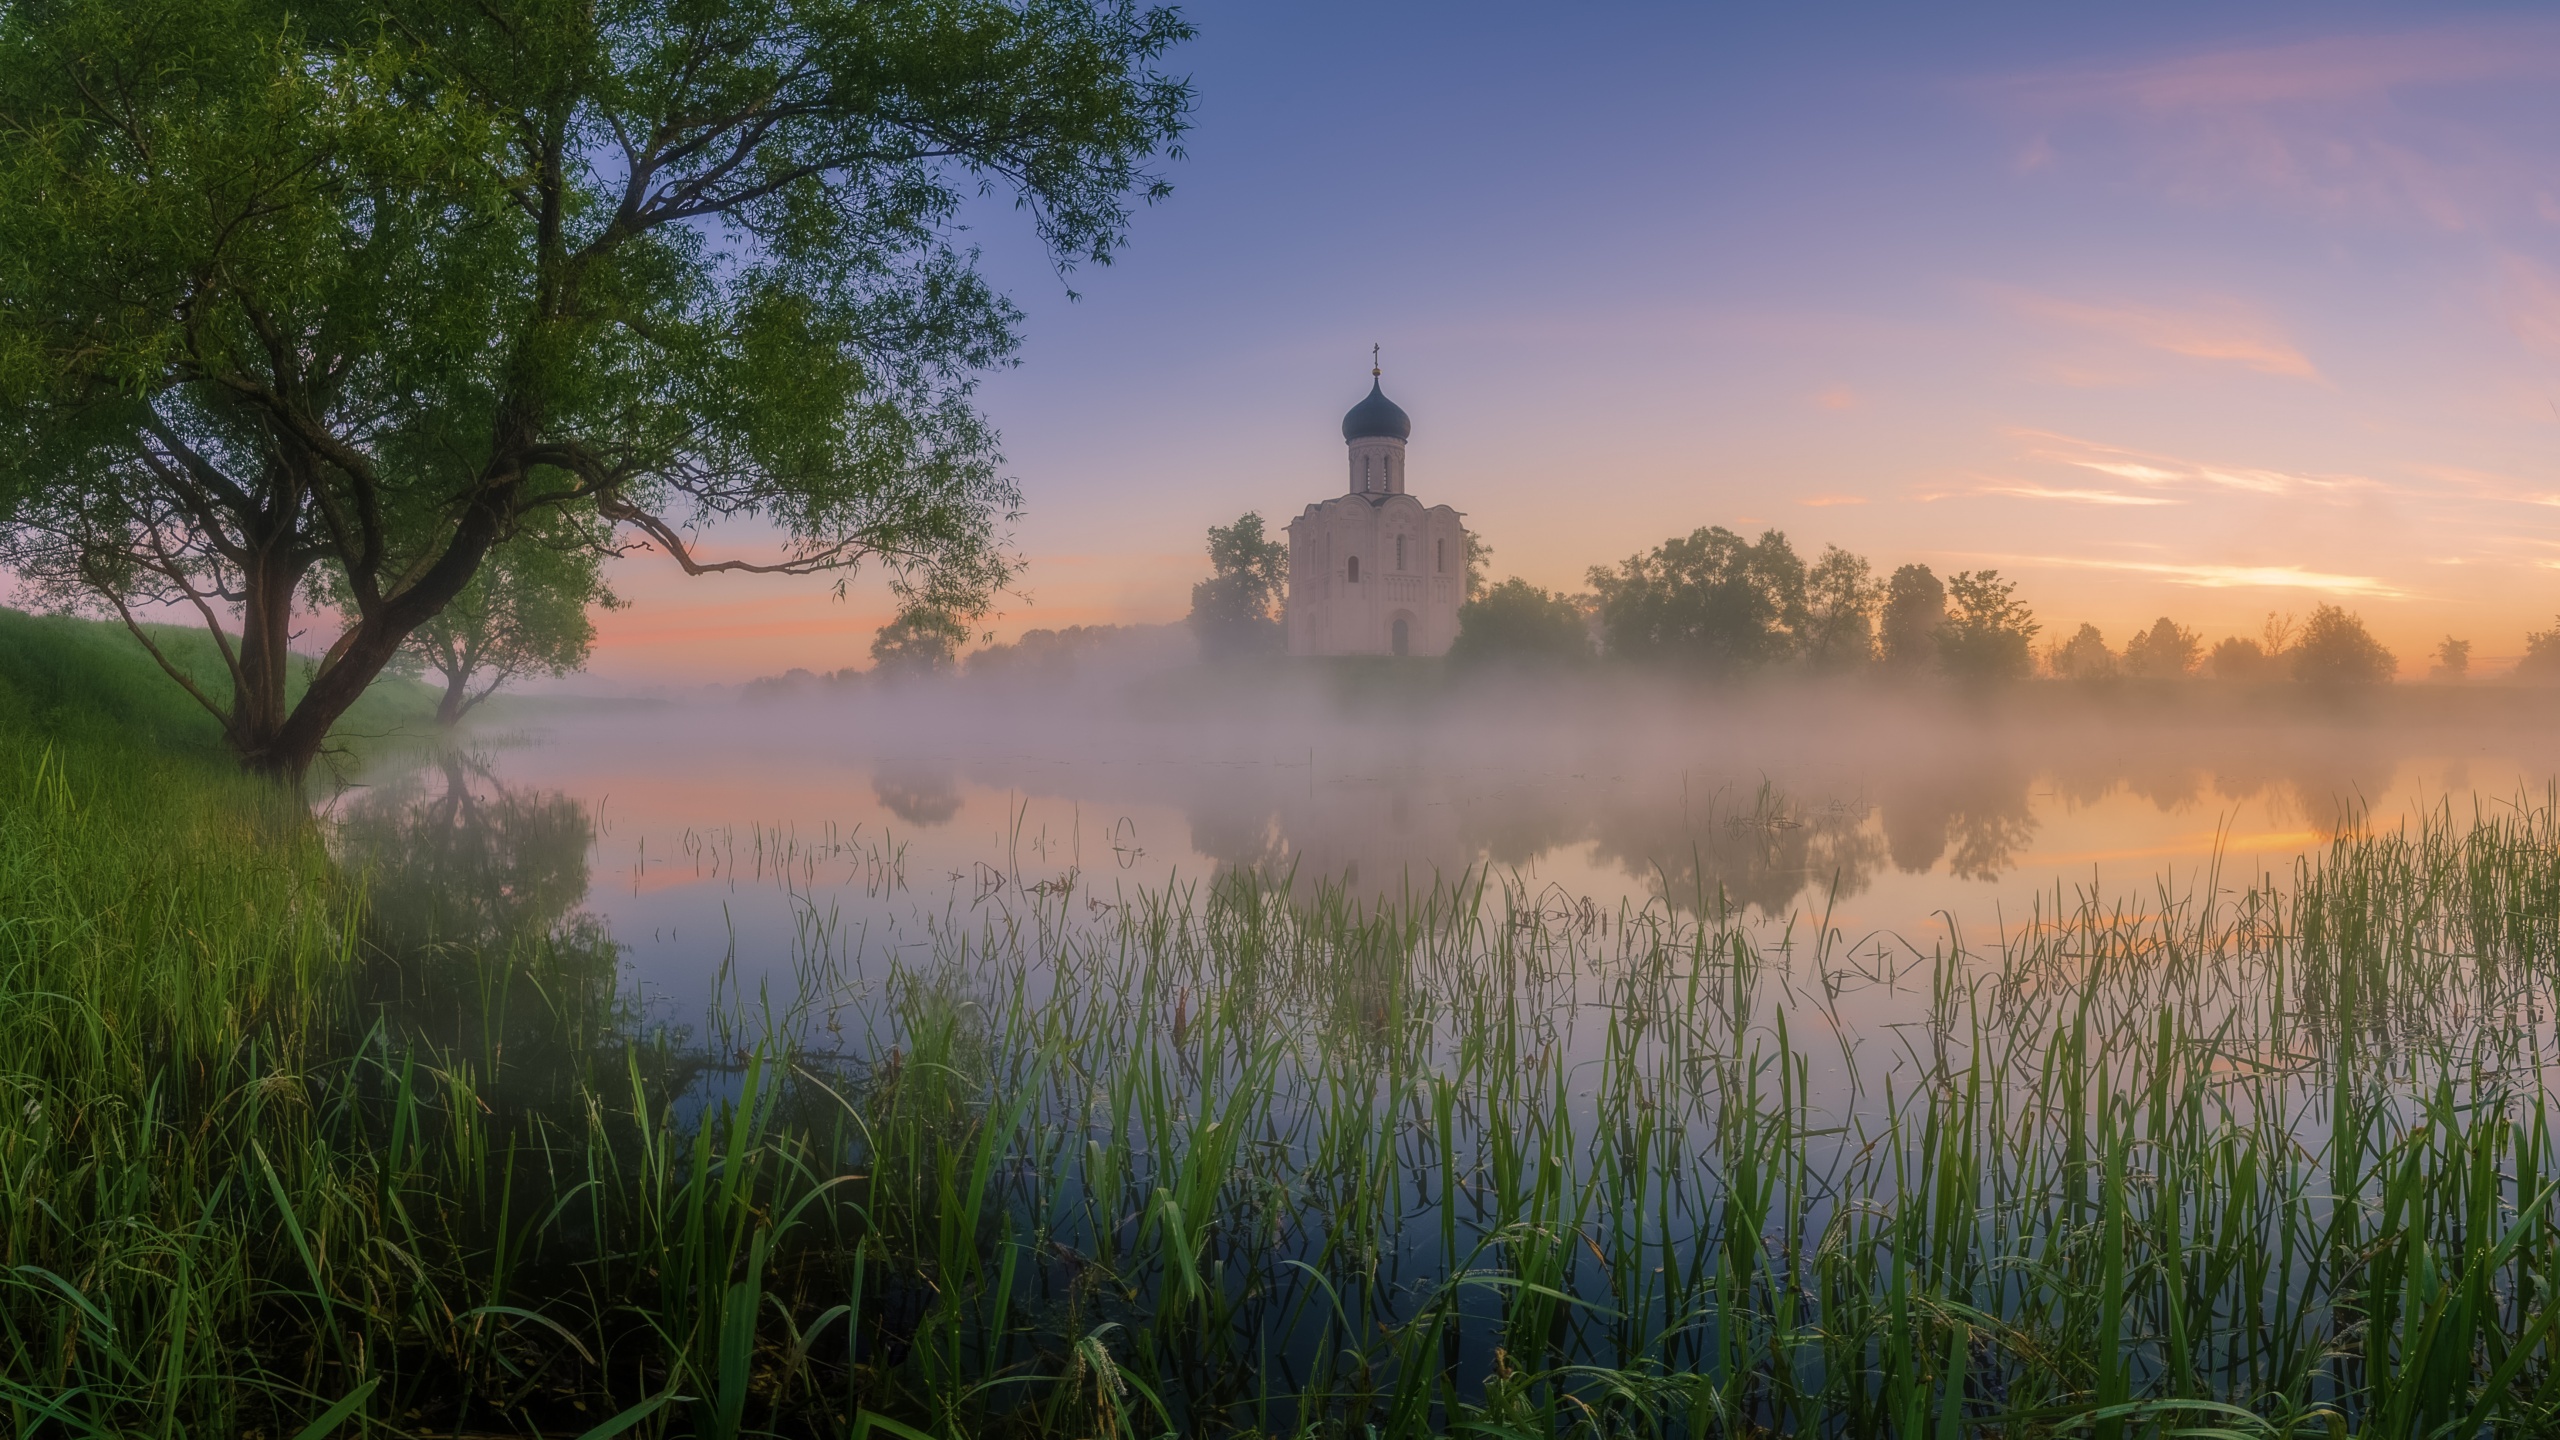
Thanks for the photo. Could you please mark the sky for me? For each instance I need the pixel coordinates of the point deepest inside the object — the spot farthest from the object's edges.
(2208, 311)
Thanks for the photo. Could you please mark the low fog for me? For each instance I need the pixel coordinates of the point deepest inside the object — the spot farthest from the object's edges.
(1775, 791)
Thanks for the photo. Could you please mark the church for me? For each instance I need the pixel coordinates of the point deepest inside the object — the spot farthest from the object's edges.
(1373, 571)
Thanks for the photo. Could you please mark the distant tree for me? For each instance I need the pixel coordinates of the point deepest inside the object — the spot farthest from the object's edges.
(1517, 621)
(2336, 650)
(1988, 634)
(1045, 654)
(922, 641)
(1915, 606)
(2452, 660)
(2236, 657)
(523, 613)
(1707, 599)
(1235, 610)
(1478, 553)
(2084, 656)
(2166, 651)
(2541, 662)
(1841, 594)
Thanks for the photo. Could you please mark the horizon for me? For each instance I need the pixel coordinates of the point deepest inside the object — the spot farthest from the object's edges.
(2179, 313)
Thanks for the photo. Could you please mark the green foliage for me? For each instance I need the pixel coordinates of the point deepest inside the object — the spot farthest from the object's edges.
(324, 295)
(1707, 599)
(1915, 609)
(1988, 635)
(2084, 656)
(2335, 650)
(1841, 596)
(2166, 651)
(1479, 555)
(920, 642)
(1516, 622)
(1236, 610)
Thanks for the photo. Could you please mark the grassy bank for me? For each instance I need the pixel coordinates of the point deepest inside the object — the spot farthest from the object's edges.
(291, 1142)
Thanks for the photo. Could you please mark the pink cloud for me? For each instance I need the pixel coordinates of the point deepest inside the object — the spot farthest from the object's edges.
(2144, 467)
(2221, 330)
(2222, 577)
(2086, 497)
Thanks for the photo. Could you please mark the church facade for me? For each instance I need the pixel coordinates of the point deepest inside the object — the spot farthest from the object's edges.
(1374, 571)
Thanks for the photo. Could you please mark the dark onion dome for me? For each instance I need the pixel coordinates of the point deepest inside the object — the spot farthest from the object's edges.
(1377, 417)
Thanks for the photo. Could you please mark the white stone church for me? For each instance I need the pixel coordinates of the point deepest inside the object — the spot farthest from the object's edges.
(1375, 571)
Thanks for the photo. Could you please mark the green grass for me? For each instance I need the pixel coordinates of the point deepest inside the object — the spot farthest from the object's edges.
(67, 680)
(284, 1144)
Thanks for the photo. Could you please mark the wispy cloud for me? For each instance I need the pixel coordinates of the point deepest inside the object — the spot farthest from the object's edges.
(2346, 123)
(2159, 471)
(2224, 577)
(2090, 497)
(1824, 502)
(2222, 330)
(2325, 70)
(2532, 303)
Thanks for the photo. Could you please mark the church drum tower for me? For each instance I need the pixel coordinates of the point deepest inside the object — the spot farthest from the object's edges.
(1373, 571)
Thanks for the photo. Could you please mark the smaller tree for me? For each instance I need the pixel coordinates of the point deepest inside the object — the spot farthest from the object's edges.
(1517, 622)
(2541, 662)
(2166, 651)
(922, 641)
(1478, 553)
(2236, 657)
(1915, 607)
(1234, 611)
(1841, 594)
(2337, 651)
(2084, 656)
(524, 613)
(2452, 660)
(1988, 634)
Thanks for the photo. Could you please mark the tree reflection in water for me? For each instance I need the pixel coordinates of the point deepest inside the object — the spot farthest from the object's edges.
(923, 793)
(474, 891)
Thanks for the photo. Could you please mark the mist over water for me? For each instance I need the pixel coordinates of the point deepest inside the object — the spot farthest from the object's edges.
(721, 832)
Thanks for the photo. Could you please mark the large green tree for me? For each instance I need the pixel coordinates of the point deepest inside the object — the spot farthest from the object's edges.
(1709, 598)
(302, 297)
(1515, 622)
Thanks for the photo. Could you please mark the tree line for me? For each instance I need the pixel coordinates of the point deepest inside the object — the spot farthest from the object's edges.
(1713, 603)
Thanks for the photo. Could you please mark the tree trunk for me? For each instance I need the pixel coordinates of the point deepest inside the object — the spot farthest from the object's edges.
(284, 753)
(457, 698)
(258, 703)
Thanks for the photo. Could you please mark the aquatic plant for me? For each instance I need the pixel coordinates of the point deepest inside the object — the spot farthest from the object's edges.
(2270, 1157)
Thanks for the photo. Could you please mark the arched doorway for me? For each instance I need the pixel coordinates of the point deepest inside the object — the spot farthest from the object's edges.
(1400, 636)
